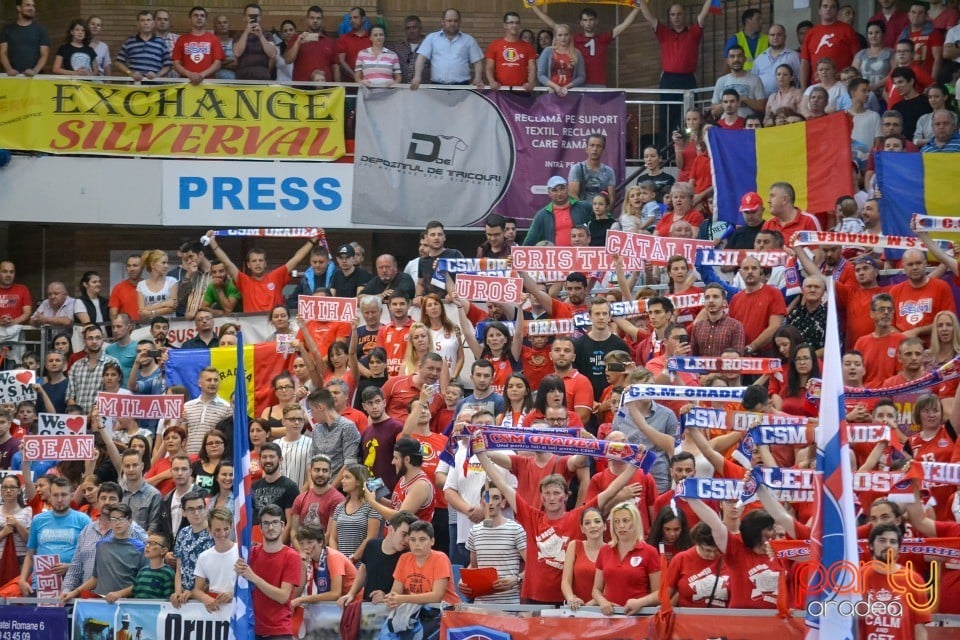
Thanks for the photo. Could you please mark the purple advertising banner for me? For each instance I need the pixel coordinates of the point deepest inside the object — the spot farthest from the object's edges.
(550, 134)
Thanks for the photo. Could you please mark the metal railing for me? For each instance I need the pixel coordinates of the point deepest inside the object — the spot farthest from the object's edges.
(651, 113)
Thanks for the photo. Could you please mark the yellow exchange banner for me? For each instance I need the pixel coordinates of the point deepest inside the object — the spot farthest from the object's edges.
(205, 121)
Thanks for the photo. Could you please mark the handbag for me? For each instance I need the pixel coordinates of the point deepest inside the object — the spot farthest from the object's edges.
(716, 572)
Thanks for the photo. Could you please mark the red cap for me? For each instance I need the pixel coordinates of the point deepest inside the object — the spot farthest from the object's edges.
(751, 201)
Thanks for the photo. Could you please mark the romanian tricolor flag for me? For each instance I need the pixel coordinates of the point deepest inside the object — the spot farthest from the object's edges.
(261, 363)
(924, 183)
(813, 156)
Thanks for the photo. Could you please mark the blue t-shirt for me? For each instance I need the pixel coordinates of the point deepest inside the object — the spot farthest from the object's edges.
(57, 534)
(125, 356)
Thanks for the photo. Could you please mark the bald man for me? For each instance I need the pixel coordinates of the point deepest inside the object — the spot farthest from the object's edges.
(919, 298)
(759, 307)
(56, 310)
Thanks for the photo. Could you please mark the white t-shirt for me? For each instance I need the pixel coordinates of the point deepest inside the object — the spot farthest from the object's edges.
(217, 569)
(470, 486)
(447, 346)
(155, 297)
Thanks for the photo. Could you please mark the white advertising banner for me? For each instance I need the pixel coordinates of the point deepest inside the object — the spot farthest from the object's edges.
(256, 194)
(412, 166)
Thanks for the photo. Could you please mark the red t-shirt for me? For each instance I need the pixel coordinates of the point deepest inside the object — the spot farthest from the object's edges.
(876, 589)
(394, 341)
(273, 618)
(529, 474)
(399, 391)
(197, 52)
(879, 356)
(603, 479)
(417, 578)
(584, 572)
(314, 56)
(123, 297)
(502, 370)
(594, 52)
(511, 61)
(573, 420)
(894, 26)
(702, 174)
(950, 572)
(739, 123)
(917, 306)
(923, 81)
(837, 41)
(694, 217)
(755, 577)
(15, 297)
(854, 300)
(693, 578)
(579, 391)
(550, 539)
(536, 364)
(679, 49)
(803, 221)
(939, 448)
(350, 45)
(432, 445)
(627, 577)
(753, 310)
(923, 44)
(562, 223)
(316, 509)
(325, 333)
(663, 500)
(264, 294)
(400, 490)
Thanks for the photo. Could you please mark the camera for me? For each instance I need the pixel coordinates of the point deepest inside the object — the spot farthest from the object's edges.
(618, 367)
(154, 353)
(684, 339)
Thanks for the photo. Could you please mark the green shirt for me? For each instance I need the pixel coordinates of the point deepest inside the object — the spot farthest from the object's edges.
(154, 584)
(211, 299)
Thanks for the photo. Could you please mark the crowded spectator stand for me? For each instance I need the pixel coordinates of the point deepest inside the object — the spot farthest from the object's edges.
(670, 400)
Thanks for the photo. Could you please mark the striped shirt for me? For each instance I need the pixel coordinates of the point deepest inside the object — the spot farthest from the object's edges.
(499, 547)
(154, 584)
(85, 381)
(352, 528)
(378, 70)
(203, 416)
(296, 458)
(144, 56)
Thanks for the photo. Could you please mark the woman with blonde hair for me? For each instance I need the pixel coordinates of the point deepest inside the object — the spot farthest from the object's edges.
(944, 347)
(157, 292)
(628, 569)
(418, 345)
(560, 66)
